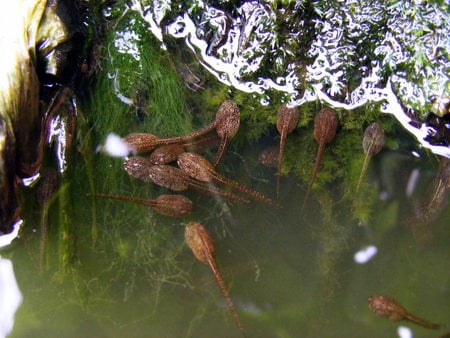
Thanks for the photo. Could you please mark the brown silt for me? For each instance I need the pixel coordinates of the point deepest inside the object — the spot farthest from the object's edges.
(387, 307)
(202, 245)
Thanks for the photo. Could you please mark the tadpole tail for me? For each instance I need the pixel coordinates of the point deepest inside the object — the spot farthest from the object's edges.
(361, 175)
(422, 322)
(220, 151)
(188, 137)
(280, 159)
(246, 190)
(226, 295)
(142, 201)
(217, 191)
(314, 173)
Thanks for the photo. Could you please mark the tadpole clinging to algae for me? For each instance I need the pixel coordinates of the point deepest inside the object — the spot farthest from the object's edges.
(373, 142)
(325, 126)
(199, 168)
(287, 120)
(226, 124)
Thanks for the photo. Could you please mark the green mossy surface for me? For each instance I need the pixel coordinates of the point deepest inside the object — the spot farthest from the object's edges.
(120, 268)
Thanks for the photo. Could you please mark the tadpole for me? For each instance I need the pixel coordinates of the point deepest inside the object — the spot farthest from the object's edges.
(168, 205)
(373, 142)
(202, 170)
(325, 125)
(387, 307)
(202, 245)
(287, 120)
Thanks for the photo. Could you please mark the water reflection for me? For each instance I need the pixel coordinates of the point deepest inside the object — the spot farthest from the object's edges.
(345, 55)
(122, 270)
(10, 297)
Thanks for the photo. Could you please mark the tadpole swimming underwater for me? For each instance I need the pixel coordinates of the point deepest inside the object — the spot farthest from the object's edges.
(325, 125)
(387, 307)
(202, 245)
(287, 120)
(172, 178)
(202, 170)
(226, 124)
(168, 205)
(166, 154)
(373, 142)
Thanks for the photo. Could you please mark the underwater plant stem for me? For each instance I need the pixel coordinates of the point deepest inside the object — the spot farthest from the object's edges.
(44, 237)
(65, 233)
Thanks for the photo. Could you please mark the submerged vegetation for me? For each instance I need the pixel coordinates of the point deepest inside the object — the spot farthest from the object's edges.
(128, 267)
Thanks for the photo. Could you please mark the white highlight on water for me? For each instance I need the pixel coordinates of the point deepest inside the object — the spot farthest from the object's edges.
(10, 297)
(404, 332)
(115, 146)
(365, 255)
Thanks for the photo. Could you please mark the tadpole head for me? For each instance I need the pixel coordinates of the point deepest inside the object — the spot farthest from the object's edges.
(325, 126)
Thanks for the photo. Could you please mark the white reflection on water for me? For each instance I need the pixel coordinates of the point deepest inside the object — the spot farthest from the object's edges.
(341, 31)
(404, 332)
(10, 297)
(8, 238)
(365, 255)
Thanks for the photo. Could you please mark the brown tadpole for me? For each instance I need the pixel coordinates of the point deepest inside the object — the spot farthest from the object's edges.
(167, 205)
(227, 125)
(287, 120)
(202, 245)
(373, 142)
(165, 154)
(142, 142)
(172, 178)
(269, 156)
(325, 126)
(168, 153)
(387, 307)
(202, 170)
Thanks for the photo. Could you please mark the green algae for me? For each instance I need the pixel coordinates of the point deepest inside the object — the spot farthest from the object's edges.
(139, 278)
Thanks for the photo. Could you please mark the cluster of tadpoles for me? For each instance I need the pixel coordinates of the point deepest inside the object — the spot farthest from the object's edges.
(325, 127)
(194, 171)
(191, 171)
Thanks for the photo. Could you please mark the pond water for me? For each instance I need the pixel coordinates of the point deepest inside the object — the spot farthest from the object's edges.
(107, 268)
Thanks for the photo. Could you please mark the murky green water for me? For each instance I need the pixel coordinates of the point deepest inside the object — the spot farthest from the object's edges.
(289, 275)
(115, 269)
